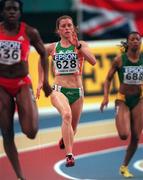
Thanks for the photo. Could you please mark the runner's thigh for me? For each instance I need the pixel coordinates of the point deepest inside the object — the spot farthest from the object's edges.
(7, 108)
(122, 119)
(60, 102)
(137, 118)
(27, 108)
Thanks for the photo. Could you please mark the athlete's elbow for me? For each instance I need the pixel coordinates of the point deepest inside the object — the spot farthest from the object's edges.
(93, 62)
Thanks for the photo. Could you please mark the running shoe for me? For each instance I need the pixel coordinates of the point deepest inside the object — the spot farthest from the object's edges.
(124, 171)
(70, 161)
(61, 144)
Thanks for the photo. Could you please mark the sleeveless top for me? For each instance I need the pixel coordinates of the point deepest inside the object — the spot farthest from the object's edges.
(14, 49)
(131, 73)
(67, 61)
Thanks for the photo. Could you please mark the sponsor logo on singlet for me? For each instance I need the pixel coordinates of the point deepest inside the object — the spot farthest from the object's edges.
(21, 38)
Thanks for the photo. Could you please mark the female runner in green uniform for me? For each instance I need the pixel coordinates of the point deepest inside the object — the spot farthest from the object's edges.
(67, 96)
(129, 102)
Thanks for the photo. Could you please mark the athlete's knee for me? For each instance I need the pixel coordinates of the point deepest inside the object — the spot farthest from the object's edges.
(123, 136)
(67, 117)
(30, 132)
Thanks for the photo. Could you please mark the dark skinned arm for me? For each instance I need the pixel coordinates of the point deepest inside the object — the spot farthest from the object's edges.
(37, 42)
(108, 80)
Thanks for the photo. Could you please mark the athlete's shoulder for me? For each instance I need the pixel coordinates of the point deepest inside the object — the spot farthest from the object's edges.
(118, 57)
(50, 48)
(118, 60)
(30, 29)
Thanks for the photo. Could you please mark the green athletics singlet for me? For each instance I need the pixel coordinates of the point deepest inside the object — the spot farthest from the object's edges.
(67, 60)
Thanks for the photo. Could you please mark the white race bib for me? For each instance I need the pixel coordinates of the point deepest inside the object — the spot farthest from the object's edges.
(133, 75)
(66, 63)
(10, 52)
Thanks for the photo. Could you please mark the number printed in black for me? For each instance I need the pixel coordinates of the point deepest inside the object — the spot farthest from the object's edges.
(14, 54)
(141, 76)
(135, 76)
(128, 76)
(73, 63)
(65, 64)
(6, 53)
(58, 64)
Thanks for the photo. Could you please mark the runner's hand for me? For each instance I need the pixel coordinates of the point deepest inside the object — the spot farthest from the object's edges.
(104, 104)
(47, 89)
(73, 39)
(40, 85)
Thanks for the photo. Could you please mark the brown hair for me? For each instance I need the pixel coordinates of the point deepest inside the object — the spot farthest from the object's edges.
(60, 18)
(65, 17)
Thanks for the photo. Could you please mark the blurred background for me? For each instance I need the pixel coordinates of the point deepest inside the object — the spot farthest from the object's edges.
(96, 19)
